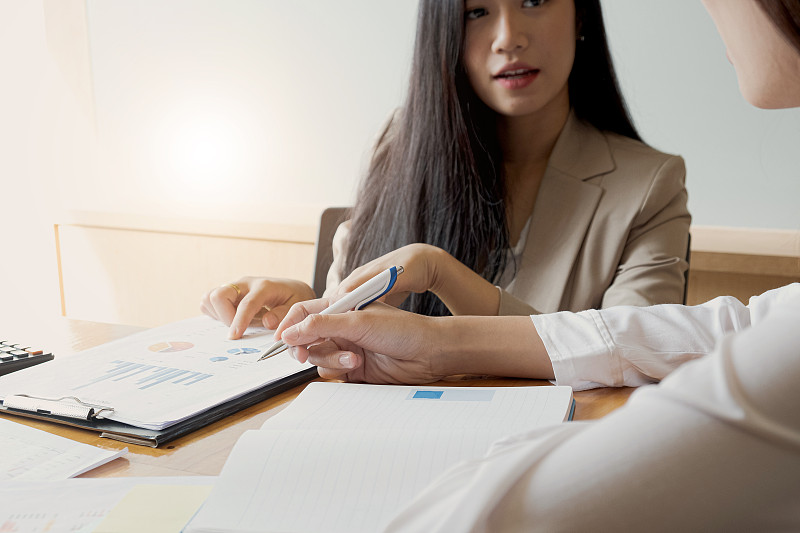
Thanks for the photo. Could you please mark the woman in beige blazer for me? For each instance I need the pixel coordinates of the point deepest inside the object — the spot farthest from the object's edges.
(514, 164)
(609, 227)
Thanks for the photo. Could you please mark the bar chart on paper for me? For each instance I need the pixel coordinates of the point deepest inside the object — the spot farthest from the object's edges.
(147, 376)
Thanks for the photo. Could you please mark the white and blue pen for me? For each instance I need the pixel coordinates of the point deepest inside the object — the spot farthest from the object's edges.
(357, 299)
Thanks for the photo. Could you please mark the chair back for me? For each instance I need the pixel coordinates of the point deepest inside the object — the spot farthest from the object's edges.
(328, 222)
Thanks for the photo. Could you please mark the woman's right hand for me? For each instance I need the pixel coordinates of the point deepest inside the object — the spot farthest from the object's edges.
(382, 344)
(265, 300)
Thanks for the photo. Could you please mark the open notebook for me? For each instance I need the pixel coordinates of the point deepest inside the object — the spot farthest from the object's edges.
(348, 457)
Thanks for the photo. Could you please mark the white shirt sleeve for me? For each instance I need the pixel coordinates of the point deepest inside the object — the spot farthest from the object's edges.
(633, 346)
(714, 447)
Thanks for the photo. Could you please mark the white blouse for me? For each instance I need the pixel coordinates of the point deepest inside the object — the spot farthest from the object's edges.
(714, 447)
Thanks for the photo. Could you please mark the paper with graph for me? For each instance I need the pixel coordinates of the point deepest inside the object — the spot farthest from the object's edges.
(34, 455)
(80, 505)
(158, 377)
(347, 457)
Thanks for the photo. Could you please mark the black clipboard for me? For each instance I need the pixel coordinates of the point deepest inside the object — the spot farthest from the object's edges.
(154, 438)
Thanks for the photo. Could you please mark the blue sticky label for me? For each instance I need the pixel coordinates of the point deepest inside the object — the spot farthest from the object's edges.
(460, 394)
(427, 394)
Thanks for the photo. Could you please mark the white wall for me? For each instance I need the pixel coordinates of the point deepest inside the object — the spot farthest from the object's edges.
(743, 163)
(46, 134)
(248, 109)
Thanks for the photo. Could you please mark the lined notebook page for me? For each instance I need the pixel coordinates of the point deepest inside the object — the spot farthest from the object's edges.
(345, 457)
(338, 480)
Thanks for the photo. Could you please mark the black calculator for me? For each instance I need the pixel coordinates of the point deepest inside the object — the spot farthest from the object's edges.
(14, 356)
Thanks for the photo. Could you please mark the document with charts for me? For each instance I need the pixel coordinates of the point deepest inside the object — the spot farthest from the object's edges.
(348, 457)
(34, 455)
(155, 378)
(80, 505)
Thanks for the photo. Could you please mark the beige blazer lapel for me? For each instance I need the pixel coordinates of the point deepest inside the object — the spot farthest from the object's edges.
(564, 209)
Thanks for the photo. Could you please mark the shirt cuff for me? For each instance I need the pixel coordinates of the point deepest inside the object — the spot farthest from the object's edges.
(580, 349)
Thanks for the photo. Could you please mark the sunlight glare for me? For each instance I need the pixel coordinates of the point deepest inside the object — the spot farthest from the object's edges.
(203, 152)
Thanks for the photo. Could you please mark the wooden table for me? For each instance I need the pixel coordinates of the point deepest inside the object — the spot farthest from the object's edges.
(204, 451)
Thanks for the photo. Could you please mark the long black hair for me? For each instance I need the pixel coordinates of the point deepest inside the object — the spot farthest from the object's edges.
(436, 176)
(785, 14)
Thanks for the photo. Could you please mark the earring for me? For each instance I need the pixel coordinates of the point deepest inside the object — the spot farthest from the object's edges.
(581, 38)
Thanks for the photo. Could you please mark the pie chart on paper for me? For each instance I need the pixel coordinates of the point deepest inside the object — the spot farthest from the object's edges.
(166, 347)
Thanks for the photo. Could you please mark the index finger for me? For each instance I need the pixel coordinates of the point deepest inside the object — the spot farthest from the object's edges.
(299, 312)
(223, 302)
(358, 277)
(245, 312)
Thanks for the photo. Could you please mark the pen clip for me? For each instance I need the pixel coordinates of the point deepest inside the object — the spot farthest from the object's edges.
(393, 273)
